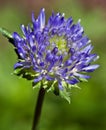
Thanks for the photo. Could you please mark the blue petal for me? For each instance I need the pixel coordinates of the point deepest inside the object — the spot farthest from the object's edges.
(33, 60)
(91, 58)
(36, 24)
(60, 60)
(68, 62)
(87, 49)
(51, 18)
(22, 64)
(60, 85)
(71, 51)
(42, 64)
(72, 81)
(82, 76)
(33, 18)
(42, 19)
(38, 79)
(80, 66)
(16, 37)
(55, 59)
(42, 48)
(64, 71)
(50, 66)
(55, 50)
(84, 41)
(21, 52)
(75, 28)
(24, 30)
(49, 78)
(32, 44)
(90, 68)
(58, 21)
(69, 22)
(49, 57)
(18, 65)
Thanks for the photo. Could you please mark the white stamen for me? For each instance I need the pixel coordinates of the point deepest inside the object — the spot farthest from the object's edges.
(38, 61)
(74, 70)
(79, 20)
(44, 72)
(63, 14)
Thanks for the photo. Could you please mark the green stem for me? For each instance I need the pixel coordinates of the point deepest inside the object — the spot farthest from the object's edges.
(38, 108)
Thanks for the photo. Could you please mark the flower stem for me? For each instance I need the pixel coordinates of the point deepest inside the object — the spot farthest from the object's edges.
(38, 108)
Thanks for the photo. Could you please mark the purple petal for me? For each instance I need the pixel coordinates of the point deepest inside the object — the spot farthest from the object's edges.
(38, 79)
(22, 64)
(51, 19)
(72, 81)
(21, 52)
(64, 71)
(49, 57)
(42, 18)
(55, 59)
(42, 48)
(82, 76)
(16, 36)
(60, 60)
(71, 51)
(55, 50)
(33, 17)
(90, 68)
(84, 41)
(59, 19)
(24, 30)
(87, 49)
(80, 66)
(49, 78)
(91, 58)
(68, 62)
(18, 65)
(60, 86)
(69, 22)
(32, 44)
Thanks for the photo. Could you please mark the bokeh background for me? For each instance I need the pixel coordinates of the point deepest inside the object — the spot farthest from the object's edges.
(87, 110)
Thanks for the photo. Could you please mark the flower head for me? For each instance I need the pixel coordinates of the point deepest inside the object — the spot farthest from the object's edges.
(56, 54)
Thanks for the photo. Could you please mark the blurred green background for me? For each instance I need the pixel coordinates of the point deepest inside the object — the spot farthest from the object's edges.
(87, 110)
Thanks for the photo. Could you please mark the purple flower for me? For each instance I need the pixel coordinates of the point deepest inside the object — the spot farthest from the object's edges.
(55, 52)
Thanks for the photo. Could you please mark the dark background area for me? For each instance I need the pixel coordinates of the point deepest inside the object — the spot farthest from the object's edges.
(87, 110)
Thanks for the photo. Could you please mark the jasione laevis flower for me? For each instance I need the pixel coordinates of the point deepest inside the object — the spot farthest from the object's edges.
(55, 53)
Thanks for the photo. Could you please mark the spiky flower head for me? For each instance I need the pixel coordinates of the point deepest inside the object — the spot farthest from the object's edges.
(55, 54)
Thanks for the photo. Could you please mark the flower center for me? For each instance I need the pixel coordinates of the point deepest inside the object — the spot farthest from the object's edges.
(60, 42)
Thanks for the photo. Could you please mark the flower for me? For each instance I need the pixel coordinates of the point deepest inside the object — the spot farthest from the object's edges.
(56, 54)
